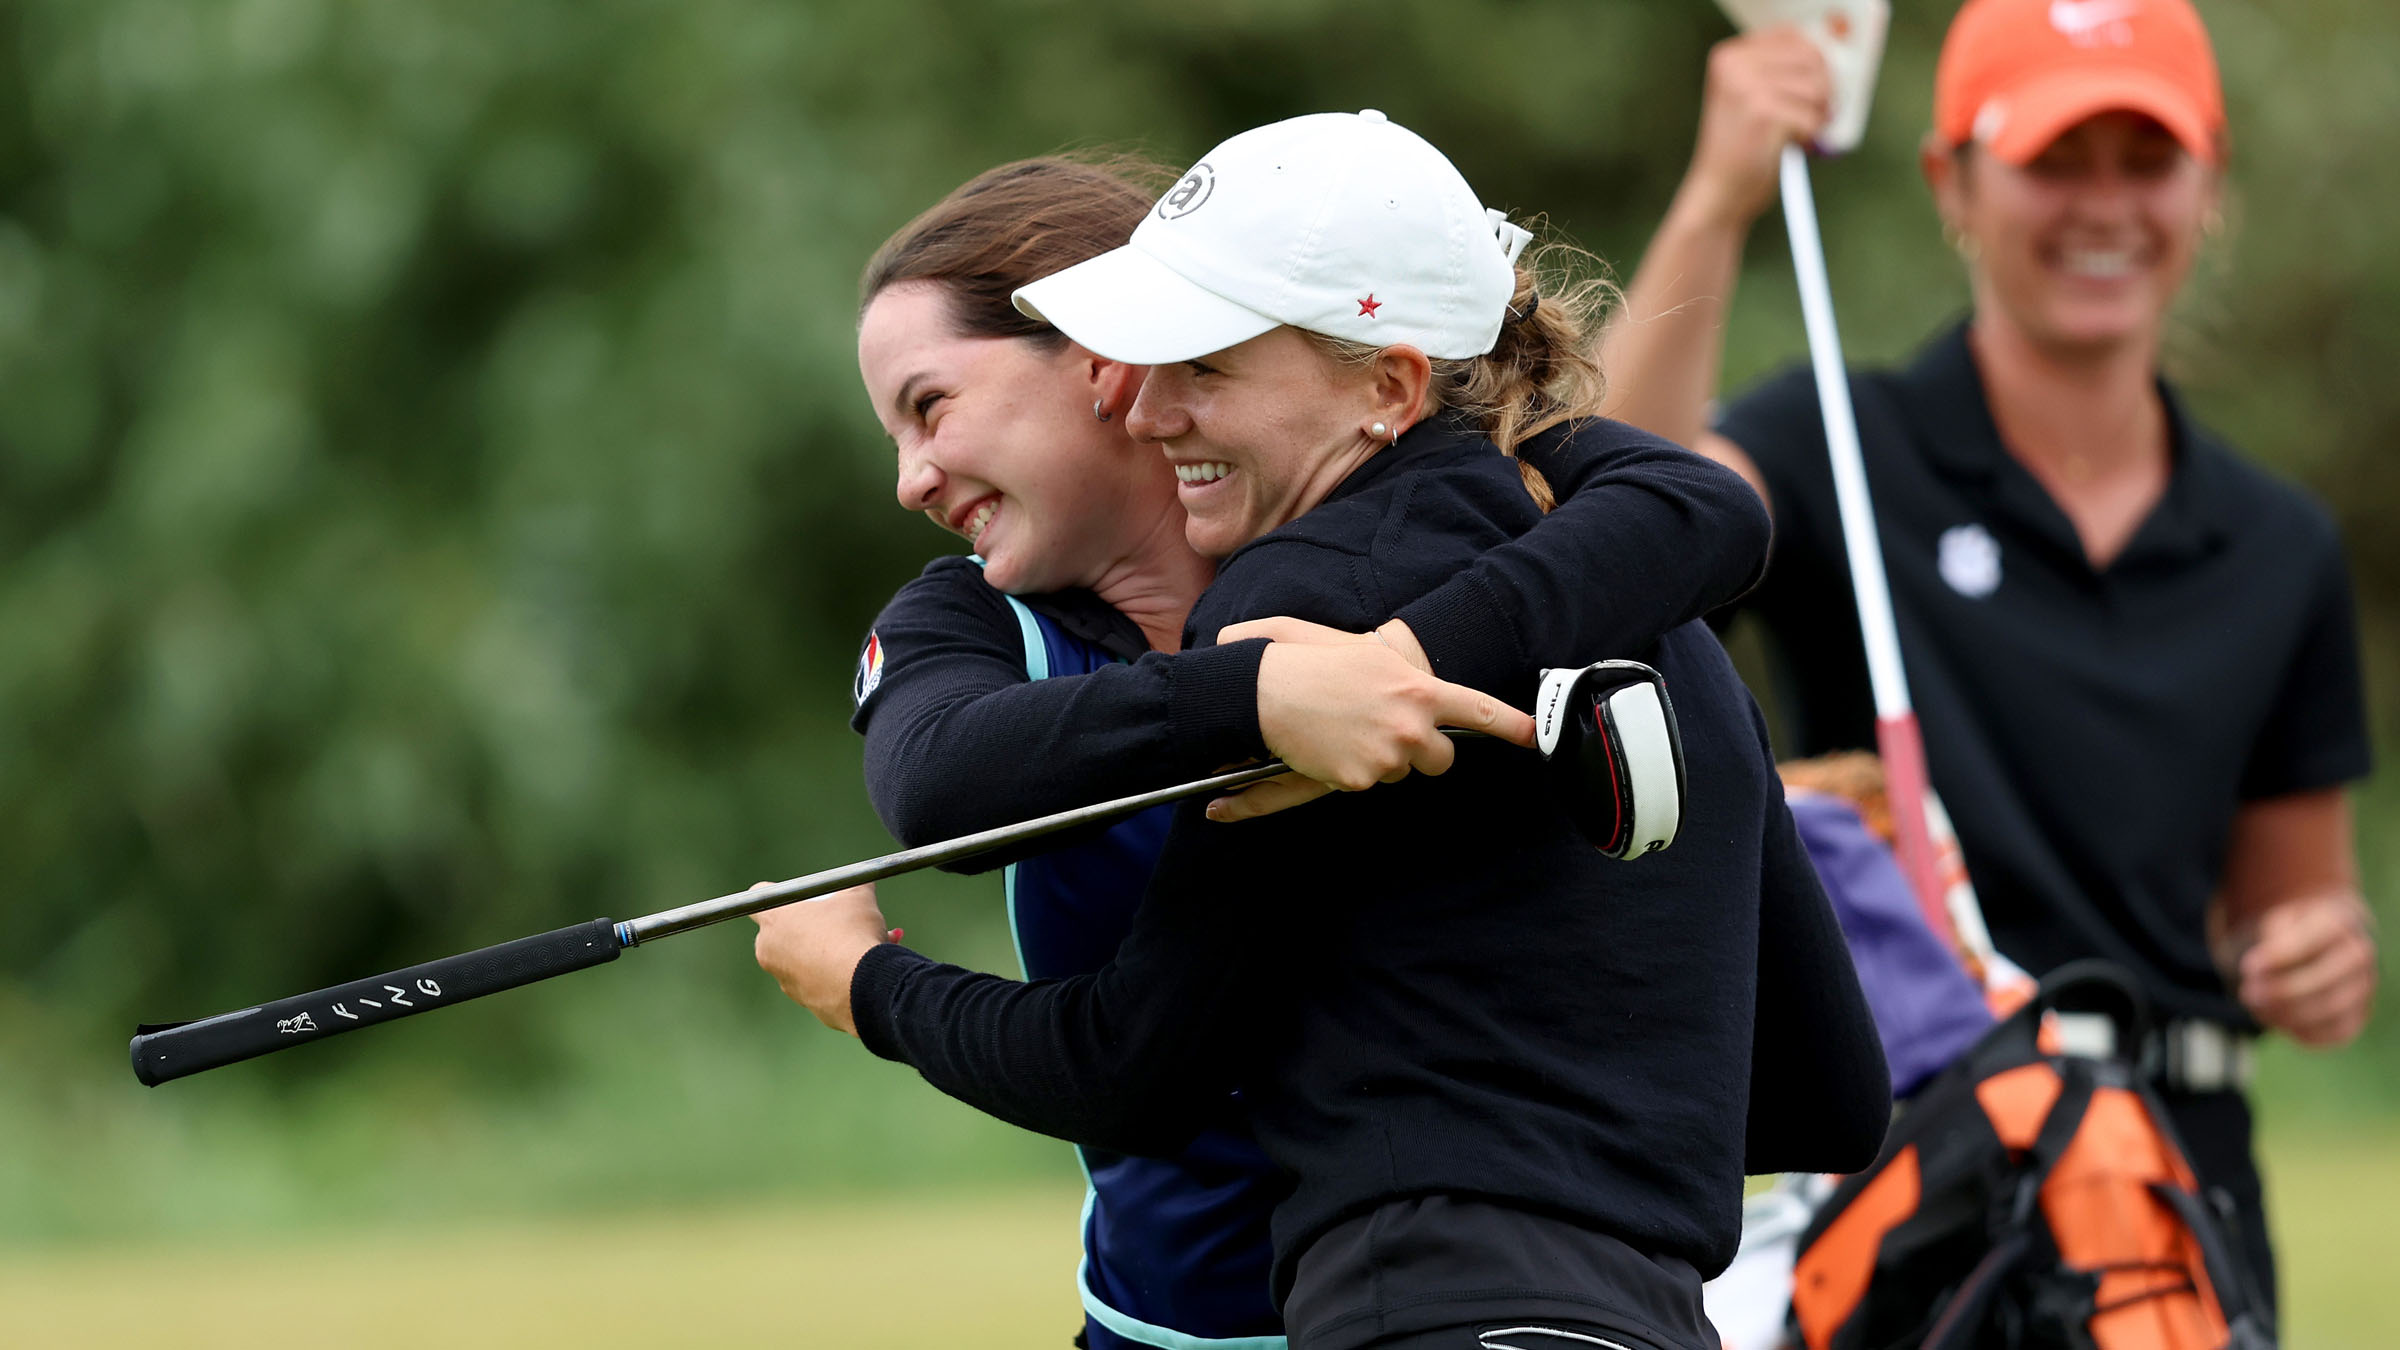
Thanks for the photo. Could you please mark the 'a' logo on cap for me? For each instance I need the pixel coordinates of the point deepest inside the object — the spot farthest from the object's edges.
(1190, 194)
(1368, 306)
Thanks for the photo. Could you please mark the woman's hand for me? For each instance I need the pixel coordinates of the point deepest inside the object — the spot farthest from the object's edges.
(1350, 710)
(2290, 931)
(1765, 90)
(812, 948)
(2308, 969)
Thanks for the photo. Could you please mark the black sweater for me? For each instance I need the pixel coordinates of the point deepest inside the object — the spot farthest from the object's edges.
(953, 721)
(1436, 987)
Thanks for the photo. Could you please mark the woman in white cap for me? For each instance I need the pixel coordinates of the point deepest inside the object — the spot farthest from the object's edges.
(1512, 1078)
(1045, 672)
(2132, 653)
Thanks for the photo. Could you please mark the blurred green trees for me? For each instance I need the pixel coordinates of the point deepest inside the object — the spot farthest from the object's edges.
(435, 501)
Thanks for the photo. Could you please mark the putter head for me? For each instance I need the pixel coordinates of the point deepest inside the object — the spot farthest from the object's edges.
(1608, 733)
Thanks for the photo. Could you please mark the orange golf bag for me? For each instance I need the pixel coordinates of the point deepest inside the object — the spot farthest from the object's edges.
(2032, 1197)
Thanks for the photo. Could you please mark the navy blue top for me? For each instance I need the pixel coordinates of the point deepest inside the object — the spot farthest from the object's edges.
(1175, 1249)
(1438, 987)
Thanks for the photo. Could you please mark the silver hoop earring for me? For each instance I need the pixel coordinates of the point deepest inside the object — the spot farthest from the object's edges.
(1380, 432)
(1098, 410)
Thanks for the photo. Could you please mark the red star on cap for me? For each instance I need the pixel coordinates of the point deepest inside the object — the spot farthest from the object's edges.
(1369, 305)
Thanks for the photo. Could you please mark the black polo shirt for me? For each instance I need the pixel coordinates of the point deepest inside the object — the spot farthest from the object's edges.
(2092, 732)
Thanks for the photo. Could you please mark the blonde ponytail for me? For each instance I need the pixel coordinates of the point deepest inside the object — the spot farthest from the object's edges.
(1542, 370)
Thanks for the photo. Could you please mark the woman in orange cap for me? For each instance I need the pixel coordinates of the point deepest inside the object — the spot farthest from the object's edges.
(2132, 653)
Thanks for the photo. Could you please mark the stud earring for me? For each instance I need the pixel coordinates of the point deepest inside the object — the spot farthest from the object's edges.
(1099, 411)
(1379, 431)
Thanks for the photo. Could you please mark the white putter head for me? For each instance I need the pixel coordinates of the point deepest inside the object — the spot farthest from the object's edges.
(1608, 732)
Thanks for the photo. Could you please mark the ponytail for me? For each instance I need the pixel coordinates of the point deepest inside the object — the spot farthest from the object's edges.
(1541, 371)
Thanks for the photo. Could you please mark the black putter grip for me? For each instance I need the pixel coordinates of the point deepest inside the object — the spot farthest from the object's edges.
(180, 1049)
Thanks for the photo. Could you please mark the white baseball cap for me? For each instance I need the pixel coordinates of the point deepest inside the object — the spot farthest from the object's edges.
(1345, 224)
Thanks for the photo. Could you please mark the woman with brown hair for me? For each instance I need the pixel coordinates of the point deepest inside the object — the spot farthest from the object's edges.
(2132, 652)
(1507, 1075)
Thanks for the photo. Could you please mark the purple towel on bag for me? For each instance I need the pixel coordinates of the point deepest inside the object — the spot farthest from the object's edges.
(1927, 1008)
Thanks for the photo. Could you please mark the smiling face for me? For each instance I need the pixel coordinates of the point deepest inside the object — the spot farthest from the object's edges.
(1258, 433)
(2086, 245)
(997, 444)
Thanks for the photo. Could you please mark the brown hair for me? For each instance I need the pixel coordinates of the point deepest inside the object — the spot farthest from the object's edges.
(1012, 225)
(1541, 371)
(1855, 776)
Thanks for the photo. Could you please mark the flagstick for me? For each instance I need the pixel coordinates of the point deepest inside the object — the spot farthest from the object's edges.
(1896, 733)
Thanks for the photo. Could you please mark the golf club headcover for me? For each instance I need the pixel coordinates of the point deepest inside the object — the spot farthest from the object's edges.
(1608, 733)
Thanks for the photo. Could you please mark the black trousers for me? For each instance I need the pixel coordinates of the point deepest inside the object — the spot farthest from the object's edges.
(1530, 1334)
(2215, 1130)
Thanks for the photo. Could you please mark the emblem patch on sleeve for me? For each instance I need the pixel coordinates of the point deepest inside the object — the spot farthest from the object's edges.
(870, 671)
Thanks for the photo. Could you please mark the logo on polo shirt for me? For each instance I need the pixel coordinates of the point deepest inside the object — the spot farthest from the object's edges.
(870, 670)
(1969, 559)
(1190, 194)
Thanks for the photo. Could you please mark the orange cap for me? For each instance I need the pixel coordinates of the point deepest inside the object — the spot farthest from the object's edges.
(2015, 74)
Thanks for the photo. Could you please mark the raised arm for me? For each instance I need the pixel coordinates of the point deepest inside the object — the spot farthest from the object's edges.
(1646, 538)
(1663, 350)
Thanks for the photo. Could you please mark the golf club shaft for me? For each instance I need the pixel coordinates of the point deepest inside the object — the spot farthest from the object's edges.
(1896, 733)
(178, 1050)
(668, 922)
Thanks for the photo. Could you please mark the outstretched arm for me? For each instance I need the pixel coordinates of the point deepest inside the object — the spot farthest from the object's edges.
(1134, 1058)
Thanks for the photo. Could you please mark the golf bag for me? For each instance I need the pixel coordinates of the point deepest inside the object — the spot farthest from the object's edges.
(2032, 1197)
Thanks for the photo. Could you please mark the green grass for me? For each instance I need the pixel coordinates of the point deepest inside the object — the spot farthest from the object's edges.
(990, 1266)
(666, 1152)
(2335, 1202)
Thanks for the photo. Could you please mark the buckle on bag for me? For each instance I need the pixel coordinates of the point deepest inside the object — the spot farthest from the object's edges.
(1609, 735)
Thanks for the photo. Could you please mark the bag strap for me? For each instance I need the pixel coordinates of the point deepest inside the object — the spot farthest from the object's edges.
(1962, 1319)
(2231, 1282)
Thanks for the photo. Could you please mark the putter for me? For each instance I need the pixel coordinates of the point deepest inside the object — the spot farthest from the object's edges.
(1616, 763)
